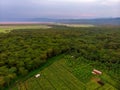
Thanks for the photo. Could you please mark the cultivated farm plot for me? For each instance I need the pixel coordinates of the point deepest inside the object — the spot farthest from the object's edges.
(54, 77)
(59, 77)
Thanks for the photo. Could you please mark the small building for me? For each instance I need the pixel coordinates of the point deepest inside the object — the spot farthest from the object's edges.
(96, 72)
(37, 75)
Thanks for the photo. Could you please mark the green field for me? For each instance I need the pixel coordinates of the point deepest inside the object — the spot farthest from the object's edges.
(59, 76)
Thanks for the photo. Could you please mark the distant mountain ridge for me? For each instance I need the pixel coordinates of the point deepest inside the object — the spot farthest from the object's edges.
(97, 21)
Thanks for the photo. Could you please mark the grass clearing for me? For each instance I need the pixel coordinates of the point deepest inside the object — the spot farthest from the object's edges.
(8, 28)
(77, 25)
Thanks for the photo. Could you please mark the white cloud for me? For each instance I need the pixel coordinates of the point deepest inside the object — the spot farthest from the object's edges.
(77, 0)
(96, 2)
(84, 1)
(110, 2)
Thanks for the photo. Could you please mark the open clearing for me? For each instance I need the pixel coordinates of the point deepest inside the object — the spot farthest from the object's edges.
(8, 28)
(58, 76)
(76, 25)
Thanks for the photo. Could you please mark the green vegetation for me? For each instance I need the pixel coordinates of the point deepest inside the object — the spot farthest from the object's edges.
(60, 76)
(25, 50)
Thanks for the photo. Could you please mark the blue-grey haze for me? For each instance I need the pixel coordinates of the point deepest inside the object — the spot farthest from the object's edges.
(58, 9)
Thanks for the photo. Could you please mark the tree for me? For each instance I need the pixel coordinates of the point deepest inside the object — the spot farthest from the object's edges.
(22, 71)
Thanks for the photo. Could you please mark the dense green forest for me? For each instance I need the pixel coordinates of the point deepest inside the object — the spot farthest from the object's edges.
(24, 50)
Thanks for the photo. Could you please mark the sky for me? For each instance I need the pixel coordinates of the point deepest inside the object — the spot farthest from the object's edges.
(59, 9)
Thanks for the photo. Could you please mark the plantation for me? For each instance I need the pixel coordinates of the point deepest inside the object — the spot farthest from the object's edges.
(60, 76)
(22, 51)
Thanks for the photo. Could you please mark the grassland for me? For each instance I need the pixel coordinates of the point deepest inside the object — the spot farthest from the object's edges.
(8, 28)
(59, 76)
(77, 25)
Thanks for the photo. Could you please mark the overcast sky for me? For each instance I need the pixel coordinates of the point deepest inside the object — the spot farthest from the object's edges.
(59, 8)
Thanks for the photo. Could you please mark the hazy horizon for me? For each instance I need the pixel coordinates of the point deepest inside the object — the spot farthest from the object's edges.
(58, 9)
